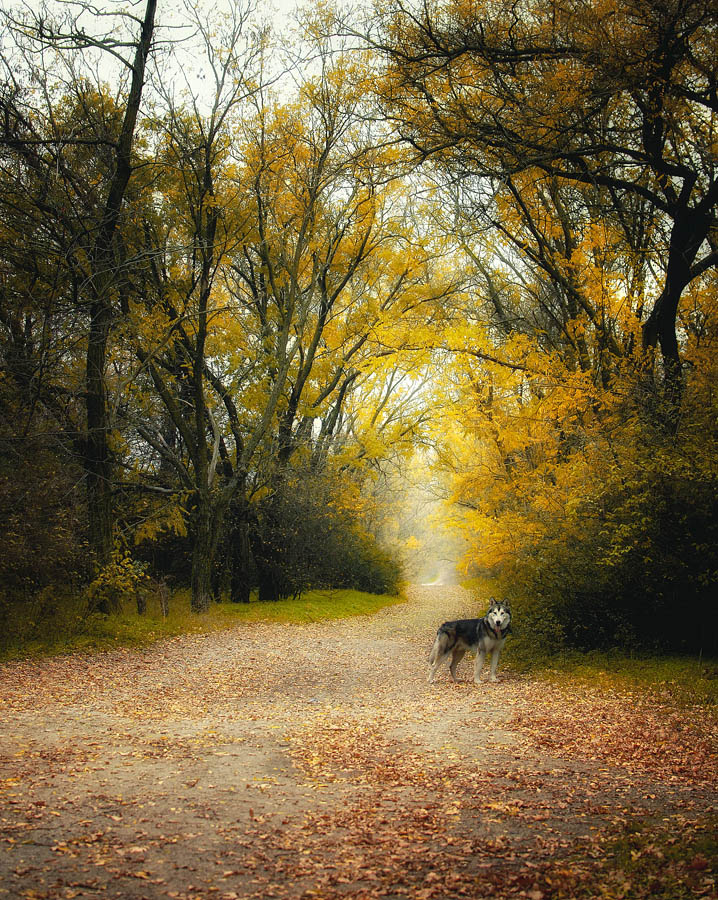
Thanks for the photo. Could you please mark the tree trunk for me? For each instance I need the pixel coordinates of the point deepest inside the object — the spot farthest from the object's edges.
(241, 563)
(203, 553)
(265, 558)
(222, 572)
(97, 456)
(689, 231)
(660, 329)
(268, 587)
(267, 569)
(98, 461)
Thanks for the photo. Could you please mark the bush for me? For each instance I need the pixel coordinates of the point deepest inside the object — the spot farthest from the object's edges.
(42, 507)
(123, 579)
(641, 575)
(302, 540)
(357, 561)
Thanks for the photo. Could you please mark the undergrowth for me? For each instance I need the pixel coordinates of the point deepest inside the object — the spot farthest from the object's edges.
(685, 679)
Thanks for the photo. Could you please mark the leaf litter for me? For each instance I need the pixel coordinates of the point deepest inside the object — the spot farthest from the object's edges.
(314, 761)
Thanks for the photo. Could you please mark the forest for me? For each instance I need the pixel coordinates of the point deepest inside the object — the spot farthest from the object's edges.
(262, 277)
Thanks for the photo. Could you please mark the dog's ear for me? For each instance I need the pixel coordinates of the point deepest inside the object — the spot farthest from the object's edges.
(492, 602)
(507, 602)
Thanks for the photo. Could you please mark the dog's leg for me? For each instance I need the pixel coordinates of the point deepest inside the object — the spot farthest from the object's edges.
(439, 654)
(494, 663)
(456, 657)
(435, 666)
(479, 664)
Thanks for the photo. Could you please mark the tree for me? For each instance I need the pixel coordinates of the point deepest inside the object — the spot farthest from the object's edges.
(619, 97)
(175, 304)
(40, 144)
(281, 262)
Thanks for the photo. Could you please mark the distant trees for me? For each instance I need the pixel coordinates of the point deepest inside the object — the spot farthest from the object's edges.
(305, 538)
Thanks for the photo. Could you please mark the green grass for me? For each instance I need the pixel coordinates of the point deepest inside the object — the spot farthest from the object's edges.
(61, 628)
(687, 679)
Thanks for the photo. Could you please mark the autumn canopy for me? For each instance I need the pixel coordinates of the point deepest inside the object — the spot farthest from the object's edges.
(251, 280)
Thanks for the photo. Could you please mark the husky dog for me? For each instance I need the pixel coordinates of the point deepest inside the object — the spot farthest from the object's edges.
(481, 636)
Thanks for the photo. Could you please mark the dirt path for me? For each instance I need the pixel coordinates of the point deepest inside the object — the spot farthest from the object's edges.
(315, 761)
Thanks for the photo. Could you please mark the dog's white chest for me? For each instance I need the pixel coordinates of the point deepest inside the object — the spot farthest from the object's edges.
(492, 643)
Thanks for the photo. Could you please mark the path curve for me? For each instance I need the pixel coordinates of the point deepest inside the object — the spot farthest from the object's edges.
(293, 761)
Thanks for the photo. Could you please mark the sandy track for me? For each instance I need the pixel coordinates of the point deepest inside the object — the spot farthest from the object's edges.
(299, 761)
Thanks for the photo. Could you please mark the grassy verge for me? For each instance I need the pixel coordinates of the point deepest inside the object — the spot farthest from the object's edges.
(642, 859)
(686, 679)
(63, 629)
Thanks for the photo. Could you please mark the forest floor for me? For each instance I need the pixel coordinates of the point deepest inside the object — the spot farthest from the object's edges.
(304, 761)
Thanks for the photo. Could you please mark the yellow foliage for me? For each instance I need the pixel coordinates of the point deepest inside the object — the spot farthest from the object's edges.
(167, 518)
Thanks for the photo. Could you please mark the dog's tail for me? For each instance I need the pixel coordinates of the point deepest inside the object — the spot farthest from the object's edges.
(442, 643)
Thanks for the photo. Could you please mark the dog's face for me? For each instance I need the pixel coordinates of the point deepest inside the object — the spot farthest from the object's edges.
(498, 616)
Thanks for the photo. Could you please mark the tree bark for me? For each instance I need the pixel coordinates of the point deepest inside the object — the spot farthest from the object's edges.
(689, 231)
(98, 456)
(204, 545)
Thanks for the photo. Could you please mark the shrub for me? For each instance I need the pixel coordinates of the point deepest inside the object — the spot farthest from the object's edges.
(304, 540)
(42, 542)
(642, 574)
(122, 580)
